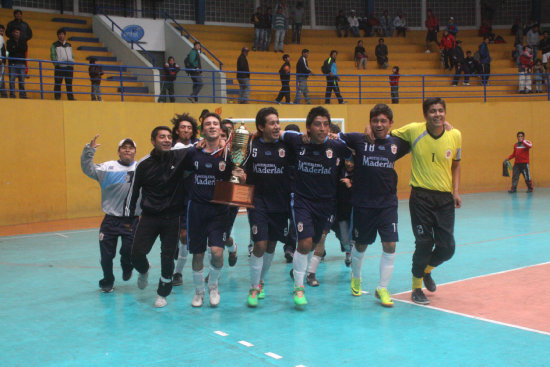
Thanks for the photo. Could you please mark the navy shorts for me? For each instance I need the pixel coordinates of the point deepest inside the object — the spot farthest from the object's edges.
(206, 224)
(369, 221)
(233, 211)
(311, 218)
(266, 226)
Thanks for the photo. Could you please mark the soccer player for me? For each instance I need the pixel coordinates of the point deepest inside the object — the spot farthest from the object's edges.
(266, 169)
(521, 162)
(435, 180)
(184, 135)
(115, 178)
(374, 198)
(313, 203)
(207, 223)
(159, 179)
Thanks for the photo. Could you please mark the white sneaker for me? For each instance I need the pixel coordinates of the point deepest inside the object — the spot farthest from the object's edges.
(160, 302)
(143, 280)
(427, 52)
(214, 296)
(197, 299)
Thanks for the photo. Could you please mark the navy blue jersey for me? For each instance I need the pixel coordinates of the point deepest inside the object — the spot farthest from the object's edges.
(207, 169)
(374, 179)
(317, 166)
(266, 169)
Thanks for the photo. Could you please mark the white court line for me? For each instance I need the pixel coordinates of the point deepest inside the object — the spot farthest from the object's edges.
(221, 333)
(16, 237)
(477, 317)
(61, 235)
(300, 365)
(273, 355)
(245, 343)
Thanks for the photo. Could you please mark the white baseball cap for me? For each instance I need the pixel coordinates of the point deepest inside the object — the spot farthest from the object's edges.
(127, 140)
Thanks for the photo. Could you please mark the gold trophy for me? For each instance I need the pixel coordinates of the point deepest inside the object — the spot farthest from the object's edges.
(232, 192)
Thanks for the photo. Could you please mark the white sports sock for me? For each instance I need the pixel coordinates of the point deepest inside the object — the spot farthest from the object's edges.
(209, 254)
(214, 275)
(299, 265)
(198, 280)
(256, 264)
(313, 264)
(268, 258)
(356, 262)
(233, 247)
(182, 258)
(386, 269)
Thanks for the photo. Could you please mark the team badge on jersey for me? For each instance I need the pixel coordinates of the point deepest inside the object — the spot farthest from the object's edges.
(222, 166)
(254, 229)
(282, 152)
(448, 154)
(394, 149)
(329, 153)
(300, 226)
(127, 178)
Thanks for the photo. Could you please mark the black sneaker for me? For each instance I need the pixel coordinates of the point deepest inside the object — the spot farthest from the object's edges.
(429, 282)
(232, 258)
(312, 280)
(419, 297)
(177, 279)
(289, 256)
(291, 273)
(106, 287)
(511, 191)
(127, 275)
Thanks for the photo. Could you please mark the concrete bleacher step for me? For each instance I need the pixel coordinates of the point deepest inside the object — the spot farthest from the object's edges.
(93, 48)
(69, 20)
(84, 39)
(126, 78)
(78, 30)
(102, 58)
(135, 90)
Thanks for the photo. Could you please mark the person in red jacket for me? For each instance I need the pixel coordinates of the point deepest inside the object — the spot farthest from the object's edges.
(433, 27)
(447, 45)
(521, 163)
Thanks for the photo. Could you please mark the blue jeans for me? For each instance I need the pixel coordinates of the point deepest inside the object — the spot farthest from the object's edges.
(258, 35)
(303, 89)
(244, 85)
(279, 39)
(17, 71)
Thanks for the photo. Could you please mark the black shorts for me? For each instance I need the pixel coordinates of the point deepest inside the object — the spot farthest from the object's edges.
(266, 226)
(232, 215)
(207, 224)
(311, 218)
(367, 222)
(432, 216)
(183, 215)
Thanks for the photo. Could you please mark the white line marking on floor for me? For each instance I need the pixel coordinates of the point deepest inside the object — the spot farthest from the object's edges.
(16, 237)
(273, 355)
(61, 235)
(221, 333)
(300, 365)
(245, 343)
(365, 292)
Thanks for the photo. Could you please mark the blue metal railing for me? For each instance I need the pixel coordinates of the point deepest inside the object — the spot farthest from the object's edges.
(121, 82)
(185, 33)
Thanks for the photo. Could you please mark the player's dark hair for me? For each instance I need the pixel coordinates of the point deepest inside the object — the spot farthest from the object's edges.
(61, 30)
(203, 113)
(292, 127)
(262, 114)
(428, 102)
(225, 130)
(177, 120)
(520, 132)
(17, 11)
(335, 129)
(314, 112)
(208, 114)
(2, 26)
(156, 130)
(381, 109)
(227, 122)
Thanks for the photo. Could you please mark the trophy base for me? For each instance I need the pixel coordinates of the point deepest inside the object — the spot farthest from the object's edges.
(233, 194)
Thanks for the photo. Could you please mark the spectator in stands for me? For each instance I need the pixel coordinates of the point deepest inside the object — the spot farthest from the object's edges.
(458, 61)
(485, 60)
(400, 24)
(302, 73)
(532, 39)
(170, 73)
(472, 65)
(360, 55)
(432, 25)
(341, 24)
(61, 53)
(243, 76)
(486, 30)
(374, 23)
(331, 72)
(544, 46)
(24, 29)
(451, 27)
(17, 48)
(266, 29)
(284, 74)
(353, 22)
(3, 63)
(526, 64)
(448, 43)
(95, 72)
(196, 74)
(298, 14)
(279, 26)
(386, 24)
(394, 84)
(257, 19)
(381, 53)
(282, 4)
(365, 25)
(538, 75)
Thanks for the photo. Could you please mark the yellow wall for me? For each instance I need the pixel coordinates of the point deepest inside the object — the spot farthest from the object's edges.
(41, 179)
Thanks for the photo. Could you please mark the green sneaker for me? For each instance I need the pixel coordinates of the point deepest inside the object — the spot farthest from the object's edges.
(262, 291)
(300, 296)
(384, 296)
(253, 297)
(356, 287)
